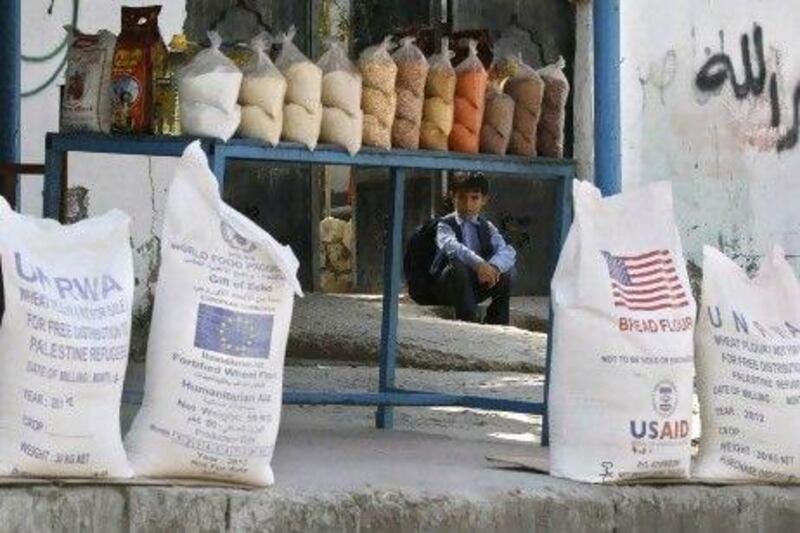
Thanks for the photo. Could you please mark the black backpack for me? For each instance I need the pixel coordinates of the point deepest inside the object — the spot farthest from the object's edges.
(420, 253)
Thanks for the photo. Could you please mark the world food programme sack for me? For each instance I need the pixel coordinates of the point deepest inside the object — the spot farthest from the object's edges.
(64, 345)
(748, 371)
(214, 371)
(620, 397)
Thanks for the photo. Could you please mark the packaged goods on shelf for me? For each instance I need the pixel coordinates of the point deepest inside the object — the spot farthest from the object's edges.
(208, 90)
(86, 105)
(550, 135)
(217, 342)
(167, 111)
(208, 121)
(527, 89)
(342, 118)
(470, 99)
(412, 73)
(498, 121)
(437, 111)
(378, 100)
(139, 59)
(262, 94)
(302, 111)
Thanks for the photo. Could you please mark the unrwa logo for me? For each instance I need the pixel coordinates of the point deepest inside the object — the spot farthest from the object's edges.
(234, 239)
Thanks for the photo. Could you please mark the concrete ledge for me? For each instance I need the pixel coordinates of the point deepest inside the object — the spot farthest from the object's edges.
(368, 480)
(347, 328)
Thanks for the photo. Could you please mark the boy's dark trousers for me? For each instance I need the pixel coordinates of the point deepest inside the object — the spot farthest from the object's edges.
(458, 286)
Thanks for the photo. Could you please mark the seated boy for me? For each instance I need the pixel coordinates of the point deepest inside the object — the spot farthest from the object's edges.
(473, 262)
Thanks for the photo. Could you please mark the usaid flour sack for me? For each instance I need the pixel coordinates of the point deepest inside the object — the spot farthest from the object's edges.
(213, 385)
(64, 345)
(620, 397)
(748, 371)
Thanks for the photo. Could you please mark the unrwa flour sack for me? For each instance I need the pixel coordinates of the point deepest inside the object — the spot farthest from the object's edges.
(748, 371)
(620, 399)
(214, 370)
(64, 345)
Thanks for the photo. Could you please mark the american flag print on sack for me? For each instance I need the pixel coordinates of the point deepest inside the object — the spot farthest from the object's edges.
(645, 282)
(233, 333)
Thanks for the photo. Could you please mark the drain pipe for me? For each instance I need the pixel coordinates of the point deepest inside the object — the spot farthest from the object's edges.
(607, 145)
(10, 74)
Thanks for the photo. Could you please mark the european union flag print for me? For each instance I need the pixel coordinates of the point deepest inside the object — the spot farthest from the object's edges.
(232, 333)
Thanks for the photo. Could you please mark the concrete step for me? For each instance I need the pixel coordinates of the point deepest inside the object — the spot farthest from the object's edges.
(530, 313)
(348, 328)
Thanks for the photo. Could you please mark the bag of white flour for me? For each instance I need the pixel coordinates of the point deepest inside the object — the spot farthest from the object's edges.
(214, 372)
(620, 398)
(748, 371)
(64, 345)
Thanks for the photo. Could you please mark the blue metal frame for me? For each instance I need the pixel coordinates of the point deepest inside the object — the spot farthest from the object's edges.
(398, 162)
(58, 146)
(607, 145)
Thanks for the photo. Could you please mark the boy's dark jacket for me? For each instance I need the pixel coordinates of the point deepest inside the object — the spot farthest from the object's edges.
(423, 261)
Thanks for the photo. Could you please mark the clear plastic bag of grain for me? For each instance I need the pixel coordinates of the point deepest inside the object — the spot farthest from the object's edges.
(437, 112)
(262, 94)
(412, 72)
(378, 97)
(302, 110)
(470, 99)
(498, 121)
(550, 136)
(342, 118)
(527, 89)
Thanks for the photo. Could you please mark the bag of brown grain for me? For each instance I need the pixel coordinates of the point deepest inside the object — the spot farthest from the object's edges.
(139, 59)
(378, 98)
(550, 135)
(342, 119)
(469, 101)
(412, 72)
(437, 112)
(498, 121)
(526, 88)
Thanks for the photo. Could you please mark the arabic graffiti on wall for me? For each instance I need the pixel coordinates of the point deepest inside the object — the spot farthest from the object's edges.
(719, 69)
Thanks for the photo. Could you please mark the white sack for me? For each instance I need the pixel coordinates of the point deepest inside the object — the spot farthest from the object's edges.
(214, 373)
(620, 399)
(64, 345)
(748, 371)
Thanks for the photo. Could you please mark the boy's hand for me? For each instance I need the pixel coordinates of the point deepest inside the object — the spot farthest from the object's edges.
(488, 275)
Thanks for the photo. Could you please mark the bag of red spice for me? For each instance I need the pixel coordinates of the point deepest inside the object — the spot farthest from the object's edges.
(139, 59)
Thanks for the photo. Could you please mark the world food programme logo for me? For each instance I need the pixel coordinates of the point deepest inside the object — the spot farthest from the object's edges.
(665, 398)
(234, 239)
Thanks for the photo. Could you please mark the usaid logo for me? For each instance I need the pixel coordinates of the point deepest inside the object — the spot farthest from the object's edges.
(234, 239)
(665, 398)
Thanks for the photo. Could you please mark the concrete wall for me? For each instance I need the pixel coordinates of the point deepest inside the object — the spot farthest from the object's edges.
(731, 156)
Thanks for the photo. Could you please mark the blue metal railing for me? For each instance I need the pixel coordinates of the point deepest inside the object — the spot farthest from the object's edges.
(562, 172)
